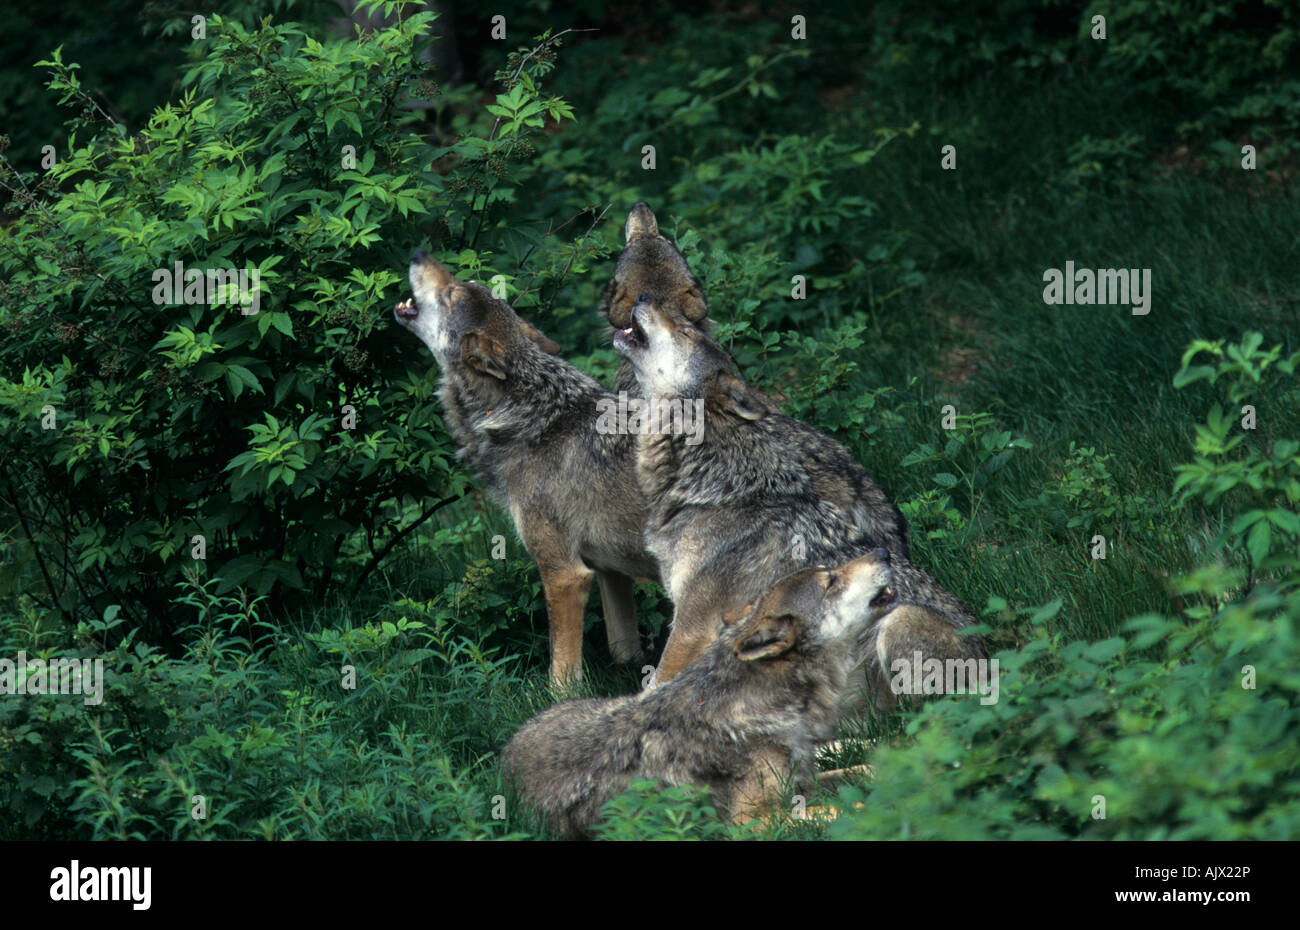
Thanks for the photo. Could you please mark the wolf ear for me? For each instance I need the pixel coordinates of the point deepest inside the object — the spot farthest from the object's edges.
(543, 342)
(640, 222)
(483, 354)
(768, 636)
(737, 397)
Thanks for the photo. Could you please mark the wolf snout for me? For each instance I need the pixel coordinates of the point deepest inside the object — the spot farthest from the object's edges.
(406, 310)
(643, 310)
(427, 273)
(640, 222)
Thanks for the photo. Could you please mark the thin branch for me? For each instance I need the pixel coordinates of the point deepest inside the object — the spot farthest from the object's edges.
(744, 82)
(551, 230)
(577, 246)
(496, 126)
(40, 561)
(399, 536)
(518, 71)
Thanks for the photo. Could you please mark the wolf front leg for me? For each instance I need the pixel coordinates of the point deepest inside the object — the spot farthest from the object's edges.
(620, 616)
(699, 614)
(567, 587)
(685, 643)
(757, 795)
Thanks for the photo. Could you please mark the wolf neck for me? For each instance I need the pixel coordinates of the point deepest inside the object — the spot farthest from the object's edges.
(541, 392)
(735, 460)
(625, 380)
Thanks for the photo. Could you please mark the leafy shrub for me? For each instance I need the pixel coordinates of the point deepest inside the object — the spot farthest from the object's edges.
(292, 439)
(1232, 465)
(1086, 497)
(269, 736)
(1098, 164)
(1233, 60)
(650, 811)
(974, 451)
(1185, 727)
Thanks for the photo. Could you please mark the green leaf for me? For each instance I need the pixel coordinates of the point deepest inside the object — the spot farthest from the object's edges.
(237, 376)
(1259, 541)
(1195, 373)
(1105, 650)
(283, 323)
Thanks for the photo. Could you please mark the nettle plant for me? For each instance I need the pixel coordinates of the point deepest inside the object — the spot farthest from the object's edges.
(1247, 455)
(974, 451)
(197, 355)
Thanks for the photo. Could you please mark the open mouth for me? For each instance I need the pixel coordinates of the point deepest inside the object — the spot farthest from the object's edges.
(631, 339)
(406, 310)
(885, 597)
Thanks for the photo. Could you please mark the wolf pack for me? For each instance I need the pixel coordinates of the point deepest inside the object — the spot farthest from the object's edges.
(793, 587)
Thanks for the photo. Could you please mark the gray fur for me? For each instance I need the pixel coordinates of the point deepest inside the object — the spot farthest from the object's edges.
(760, 496)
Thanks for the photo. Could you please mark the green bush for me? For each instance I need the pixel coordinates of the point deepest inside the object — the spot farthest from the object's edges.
(1183, 727)
(277, 740)
(1232, 61)
(649, 811)
(302, 440)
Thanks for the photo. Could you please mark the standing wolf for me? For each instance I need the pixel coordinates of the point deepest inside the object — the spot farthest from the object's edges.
(740, 720)
(527, 421)
(763, 494)
(569, 486)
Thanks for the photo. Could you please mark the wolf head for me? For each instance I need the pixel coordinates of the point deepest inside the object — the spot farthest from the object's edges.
(672, 358)
(818, 607)
(651, 268)
(464, 325)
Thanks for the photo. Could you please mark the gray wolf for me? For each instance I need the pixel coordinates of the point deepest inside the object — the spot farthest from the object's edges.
(743, 718)
(761, 495)
(650, 267)
(527, 422)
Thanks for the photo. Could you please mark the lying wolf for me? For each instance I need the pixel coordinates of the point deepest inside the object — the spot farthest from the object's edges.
(759, 496)
(741, 720)
(527, 421)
